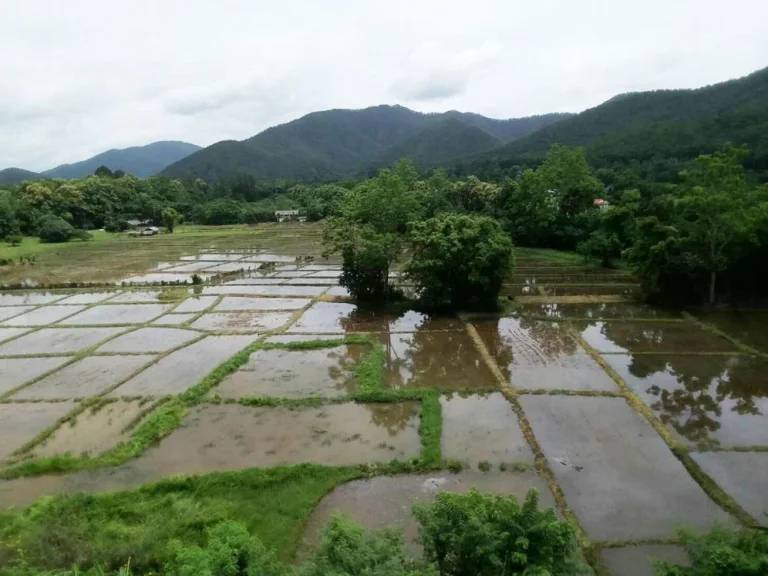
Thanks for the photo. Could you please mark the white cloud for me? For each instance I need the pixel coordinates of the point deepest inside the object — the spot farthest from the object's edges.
(82, 76)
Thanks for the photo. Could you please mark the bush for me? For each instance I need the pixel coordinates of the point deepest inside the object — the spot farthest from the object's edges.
(721, 552)
(54, 229)
(15, 239)
(116, 225)
(459, 260)
(478, 534)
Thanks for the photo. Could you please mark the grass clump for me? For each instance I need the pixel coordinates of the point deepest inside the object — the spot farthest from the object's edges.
(721, 552)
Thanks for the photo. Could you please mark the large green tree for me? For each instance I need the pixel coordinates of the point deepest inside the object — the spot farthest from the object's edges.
(459, 260)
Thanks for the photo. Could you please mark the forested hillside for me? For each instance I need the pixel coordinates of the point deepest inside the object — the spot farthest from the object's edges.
(16, 175)
(658, 131)
(448, 140)
(141, 161)
(338, 143)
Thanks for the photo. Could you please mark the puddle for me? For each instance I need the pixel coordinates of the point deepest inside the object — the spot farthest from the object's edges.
(231, 267)
(638, 560)
(184, 368)
(28, 298)
(174, 319)
(118, 314)
(214, 257)
(88, 298)
(324, 317)
(229, 436)
(322, 373)
(194, 267)
(440, 360)
(230, 303)
(743, 475)
(748, 327)
(410, 321)
(709, 401)
(195, 304)
(16, 371)
(629, 290)
(537, 354)
(289, 274)
(387, 501)
(11, 311)
(20, 423)
(266, 290)
(87, 377)
(621, 337)
(254, 281)
(161, 277)
(8, 333)
(58, 341)
(242, 321)
(311, 282)
(287, 338)
(482, 428)
(146, 340)
(43, 316)
(93, 432)
(596, 311)
(135, 296)
(611, 465)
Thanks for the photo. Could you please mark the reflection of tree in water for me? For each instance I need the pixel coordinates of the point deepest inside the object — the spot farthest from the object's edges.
(429, 359)
(633, 335)
(692, 405)
(345, 357)
(393, 417)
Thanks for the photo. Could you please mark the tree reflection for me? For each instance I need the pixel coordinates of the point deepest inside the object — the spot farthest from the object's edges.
(393, 417)
(691, 391)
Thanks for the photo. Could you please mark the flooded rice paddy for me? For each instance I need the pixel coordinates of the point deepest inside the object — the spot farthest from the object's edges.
(575, 373)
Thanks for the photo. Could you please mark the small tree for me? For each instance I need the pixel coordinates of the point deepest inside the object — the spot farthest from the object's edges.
(479, 534)
(170, 217)
(459, 260)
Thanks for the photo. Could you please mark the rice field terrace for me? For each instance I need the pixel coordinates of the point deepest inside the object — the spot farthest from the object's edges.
(630, 420)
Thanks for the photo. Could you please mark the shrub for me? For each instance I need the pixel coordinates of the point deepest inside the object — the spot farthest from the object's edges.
(478, 534)
(55, 229)
(721, 552)
(459, 260)
(15, 239)
(116, 225)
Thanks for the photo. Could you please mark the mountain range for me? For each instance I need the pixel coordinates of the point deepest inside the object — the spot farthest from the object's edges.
(337, 143)
(656, 128)
(141, 161)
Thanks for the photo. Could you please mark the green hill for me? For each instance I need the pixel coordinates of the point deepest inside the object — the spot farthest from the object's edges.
(449, 140)
(141, 161)
(16, 176)
(662, 125)
(337, 143)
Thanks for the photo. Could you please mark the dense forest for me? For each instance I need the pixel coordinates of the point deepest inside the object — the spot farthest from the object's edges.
(699, 240)
(652, 134)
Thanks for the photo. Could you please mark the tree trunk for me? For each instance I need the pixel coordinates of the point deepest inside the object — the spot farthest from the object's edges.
(712, 279)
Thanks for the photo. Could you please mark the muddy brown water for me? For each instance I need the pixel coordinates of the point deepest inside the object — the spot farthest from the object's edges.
(710, 401)
(20, 423)
(146, 340)
(16, 371)
(443, 360)
(43, 316)
(241, 321)
(229, 436)
(93, 431)
(322, 373)
(117, 314)
(58, 340)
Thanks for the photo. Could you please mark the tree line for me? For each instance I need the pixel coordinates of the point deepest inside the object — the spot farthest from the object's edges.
(699, 239)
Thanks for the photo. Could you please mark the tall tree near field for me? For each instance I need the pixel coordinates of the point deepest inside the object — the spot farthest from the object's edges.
(713, 214)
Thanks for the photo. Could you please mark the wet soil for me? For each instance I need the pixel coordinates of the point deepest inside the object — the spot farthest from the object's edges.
(482, 428)
(20, 423)
(16, 371)
(230, 436)
(322, 373)
(84, 378)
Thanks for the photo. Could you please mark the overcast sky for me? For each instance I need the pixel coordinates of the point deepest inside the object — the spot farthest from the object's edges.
(78, 77)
